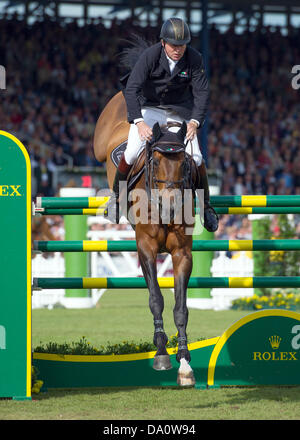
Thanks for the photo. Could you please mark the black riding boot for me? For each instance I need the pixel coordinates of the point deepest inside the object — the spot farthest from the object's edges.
(113, 206)
(211, 219)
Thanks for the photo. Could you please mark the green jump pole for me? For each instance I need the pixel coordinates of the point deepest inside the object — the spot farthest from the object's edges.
(167, 282)
(216, 201)
(219, 210)
(76, 263)
(198, 245)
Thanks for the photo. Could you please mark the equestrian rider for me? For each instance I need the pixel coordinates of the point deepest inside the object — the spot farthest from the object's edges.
(167, 84)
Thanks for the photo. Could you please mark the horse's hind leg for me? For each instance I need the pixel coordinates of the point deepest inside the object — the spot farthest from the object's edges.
(182, 264)
(147, 256)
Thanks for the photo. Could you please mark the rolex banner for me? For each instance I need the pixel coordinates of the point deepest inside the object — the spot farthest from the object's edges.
(15, 269)
(262, 348)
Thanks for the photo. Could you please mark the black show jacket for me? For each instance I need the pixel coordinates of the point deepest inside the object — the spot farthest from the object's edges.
(150, 83)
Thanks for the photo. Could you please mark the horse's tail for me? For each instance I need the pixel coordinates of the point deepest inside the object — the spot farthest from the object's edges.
(130, 55)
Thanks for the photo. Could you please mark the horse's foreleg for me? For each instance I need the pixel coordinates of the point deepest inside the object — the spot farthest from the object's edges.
(182, 264)
(147, 256)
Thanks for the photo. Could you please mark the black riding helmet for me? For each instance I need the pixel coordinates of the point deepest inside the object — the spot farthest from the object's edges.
(175, 31)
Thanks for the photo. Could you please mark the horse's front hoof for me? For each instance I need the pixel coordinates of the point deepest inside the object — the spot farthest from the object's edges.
(162, 362)
(186, 380)
(185, 376)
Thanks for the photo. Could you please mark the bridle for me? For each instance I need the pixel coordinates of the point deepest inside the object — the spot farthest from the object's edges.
(168, 147)
(169, 183)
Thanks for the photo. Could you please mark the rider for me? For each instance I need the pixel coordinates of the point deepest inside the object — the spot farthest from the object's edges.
(167, 83)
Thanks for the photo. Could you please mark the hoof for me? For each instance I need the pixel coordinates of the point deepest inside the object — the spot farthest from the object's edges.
(211, 219)
(162, 362)
(186, 380)
(185, 376)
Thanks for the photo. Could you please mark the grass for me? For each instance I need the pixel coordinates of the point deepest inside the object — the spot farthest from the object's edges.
(123, 316)
(258, 403)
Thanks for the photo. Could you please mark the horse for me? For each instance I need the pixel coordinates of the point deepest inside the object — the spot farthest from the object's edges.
(163, 165)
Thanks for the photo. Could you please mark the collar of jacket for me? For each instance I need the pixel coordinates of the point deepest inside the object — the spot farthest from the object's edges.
(165, 64)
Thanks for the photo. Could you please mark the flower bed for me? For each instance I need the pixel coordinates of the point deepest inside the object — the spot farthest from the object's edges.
(83, 347)
(278, 300)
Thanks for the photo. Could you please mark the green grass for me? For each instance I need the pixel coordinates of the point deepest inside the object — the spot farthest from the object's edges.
(123, 316)
(258, 403)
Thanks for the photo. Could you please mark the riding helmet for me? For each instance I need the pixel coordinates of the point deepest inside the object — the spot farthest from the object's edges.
(175, 31)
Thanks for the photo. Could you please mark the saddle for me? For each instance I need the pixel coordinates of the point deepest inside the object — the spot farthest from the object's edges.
(144, 160)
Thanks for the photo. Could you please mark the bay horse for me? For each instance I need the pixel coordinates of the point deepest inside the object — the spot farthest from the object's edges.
(164, 170)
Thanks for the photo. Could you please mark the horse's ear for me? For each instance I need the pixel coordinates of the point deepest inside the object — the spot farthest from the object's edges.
(182, 132)
(156, 131)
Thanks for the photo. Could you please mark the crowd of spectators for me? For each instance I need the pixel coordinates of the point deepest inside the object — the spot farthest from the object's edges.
(60, 76)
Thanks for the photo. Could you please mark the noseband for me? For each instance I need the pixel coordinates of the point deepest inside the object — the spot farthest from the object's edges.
(167, 147)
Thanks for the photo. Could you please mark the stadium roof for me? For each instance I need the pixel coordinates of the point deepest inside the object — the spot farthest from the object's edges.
(228, 5)
(155, 9)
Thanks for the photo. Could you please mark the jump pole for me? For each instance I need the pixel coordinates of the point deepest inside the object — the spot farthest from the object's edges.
(217, 201)
(15, 269)
(198, 245)
(219, 210)
(164, 282)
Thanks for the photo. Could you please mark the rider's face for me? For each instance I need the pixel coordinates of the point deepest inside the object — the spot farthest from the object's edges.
(174, 52)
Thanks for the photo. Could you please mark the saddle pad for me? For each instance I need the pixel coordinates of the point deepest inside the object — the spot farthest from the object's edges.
(137, 168)
(117, 152)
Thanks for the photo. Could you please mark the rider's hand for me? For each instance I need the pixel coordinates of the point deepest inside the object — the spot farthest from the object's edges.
(145, 132)
(191, 130)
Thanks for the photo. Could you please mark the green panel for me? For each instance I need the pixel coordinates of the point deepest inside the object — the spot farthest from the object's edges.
(76, 264)
(14, 337)
(201, 263)
(248, 358)
(60, 374)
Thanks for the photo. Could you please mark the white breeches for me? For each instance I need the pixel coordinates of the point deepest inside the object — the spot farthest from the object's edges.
(152, 115)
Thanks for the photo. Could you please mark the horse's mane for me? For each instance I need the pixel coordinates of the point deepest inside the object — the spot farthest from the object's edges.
(130, 55)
